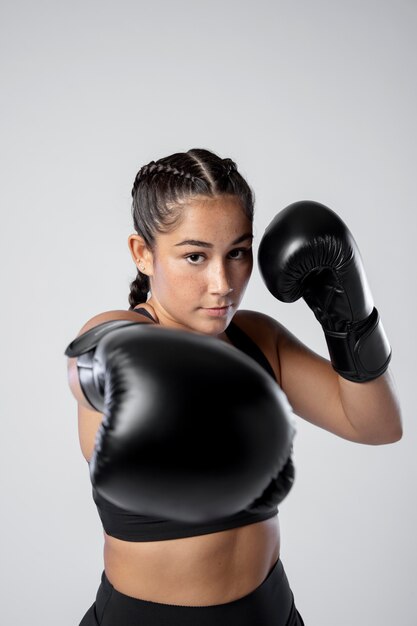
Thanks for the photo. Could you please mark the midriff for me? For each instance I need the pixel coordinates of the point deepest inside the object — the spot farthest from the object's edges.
(194, 571)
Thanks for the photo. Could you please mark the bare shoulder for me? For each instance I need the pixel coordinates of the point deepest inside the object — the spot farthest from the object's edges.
(116, 314)
(264, 331)
(255, 317)
(266, 325)
(276, 341)
(261, 324)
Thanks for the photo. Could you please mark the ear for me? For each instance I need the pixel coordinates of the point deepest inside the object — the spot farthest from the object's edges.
(142, 256)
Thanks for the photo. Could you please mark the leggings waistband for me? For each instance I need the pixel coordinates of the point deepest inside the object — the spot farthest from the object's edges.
(270, 604)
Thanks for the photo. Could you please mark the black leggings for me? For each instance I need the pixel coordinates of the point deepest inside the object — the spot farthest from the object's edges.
(270, 604)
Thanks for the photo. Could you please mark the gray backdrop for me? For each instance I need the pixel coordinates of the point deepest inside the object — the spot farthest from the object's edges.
(314, 100)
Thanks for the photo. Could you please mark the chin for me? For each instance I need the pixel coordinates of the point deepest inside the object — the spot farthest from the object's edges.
(217, 326)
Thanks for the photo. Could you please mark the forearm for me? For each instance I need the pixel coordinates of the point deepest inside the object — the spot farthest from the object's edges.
(373, 408)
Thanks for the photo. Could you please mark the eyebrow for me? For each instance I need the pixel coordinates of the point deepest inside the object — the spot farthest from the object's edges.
(205, 244)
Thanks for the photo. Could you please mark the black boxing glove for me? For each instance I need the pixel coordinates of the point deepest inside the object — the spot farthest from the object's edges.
(307, 251)
(84, 347)
(193, 429)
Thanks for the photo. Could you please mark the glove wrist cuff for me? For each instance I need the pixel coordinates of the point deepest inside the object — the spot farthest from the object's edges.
(360, 354)
(83, 348)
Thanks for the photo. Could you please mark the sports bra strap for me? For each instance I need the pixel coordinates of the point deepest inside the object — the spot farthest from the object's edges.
(241, 340)
(144, 312)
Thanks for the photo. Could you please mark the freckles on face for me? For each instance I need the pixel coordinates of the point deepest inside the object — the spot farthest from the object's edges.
(204, 263)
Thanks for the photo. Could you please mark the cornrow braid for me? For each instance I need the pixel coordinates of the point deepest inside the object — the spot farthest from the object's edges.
(230, 165)
(156, 168)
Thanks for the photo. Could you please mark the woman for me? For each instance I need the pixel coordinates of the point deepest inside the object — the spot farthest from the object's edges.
(193, 215)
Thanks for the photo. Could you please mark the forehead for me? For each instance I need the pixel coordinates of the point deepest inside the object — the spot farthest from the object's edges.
(212, 216)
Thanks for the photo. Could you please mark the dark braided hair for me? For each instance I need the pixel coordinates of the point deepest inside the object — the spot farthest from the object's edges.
(162, 187)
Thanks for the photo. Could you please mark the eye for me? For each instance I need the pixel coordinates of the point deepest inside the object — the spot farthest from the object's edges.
(193, 259)
(239, 253)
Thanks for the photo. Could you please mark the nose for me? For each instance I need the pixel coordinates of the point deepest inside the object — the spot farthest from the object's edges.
(219, 280)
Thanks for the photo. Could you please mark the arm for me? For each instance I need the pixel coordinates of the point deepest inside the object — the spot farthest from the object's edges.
(307, 251)
(367, 413)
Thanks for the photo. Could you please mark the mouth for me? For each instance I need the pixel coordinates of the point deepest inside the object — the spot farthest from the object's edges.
(217, 311)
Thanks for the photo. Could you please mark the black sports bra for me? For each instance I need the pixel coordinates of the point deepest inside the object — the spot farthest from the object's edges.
(129, 526)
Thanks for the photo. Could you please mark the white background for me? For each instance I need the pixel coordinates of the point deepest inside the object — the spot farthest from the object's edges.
(313, 100)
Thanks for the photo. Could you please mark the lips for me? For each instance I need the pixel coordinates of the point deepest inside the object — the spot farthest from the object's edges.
(217, 311)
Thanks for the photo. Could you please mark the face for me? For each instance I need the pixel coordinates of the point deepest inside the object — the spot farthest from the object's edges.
(200, 270)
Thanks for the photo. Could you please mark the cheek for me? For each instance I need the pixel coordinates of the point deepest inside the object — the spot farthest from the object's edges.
(243, 274)
(193, 283)
(180, 279)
